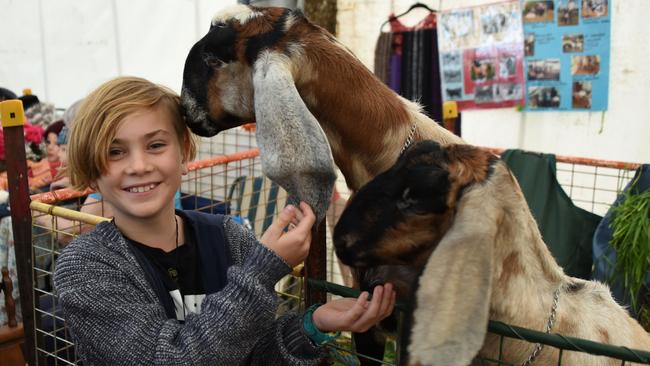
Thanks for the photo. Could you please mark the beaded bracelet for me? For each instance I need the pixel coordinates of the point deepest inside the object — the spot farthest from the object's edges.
(316, 336)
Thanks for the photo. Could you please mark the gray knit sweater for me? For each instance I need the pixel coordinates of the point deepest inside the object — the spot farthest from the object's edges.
(116, 319)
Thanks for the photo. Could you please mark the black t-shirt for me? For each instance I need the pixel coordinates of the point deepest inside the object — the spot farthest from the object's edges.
(180, 270)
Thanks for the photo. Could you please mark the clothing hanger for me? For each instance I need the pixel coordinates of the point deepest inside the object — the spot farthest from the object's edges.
(414, 6)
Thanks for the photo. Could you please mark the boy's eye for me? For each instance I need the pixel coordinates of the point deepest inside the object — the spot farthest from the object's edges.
(114, 152)
(157, 145)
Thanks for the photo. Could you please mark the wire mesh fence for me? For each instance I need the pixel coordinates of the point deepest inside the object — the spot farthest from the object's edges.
(227, 179)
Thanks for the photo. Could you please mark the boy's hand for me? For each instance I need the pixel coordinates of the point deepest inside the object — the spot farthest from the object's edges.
(293, 245)
(356, 315)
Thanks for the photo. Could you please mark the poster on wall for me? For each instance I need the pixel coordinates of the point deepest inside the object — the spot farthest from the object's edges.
(566, 48)
(481, 55)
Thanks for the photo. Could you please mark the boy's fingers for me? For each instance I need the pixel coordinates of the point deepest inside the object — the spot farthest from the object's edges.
(369, 316)
(386, 308)
(308, 219)
(359, 308)
(284, 218)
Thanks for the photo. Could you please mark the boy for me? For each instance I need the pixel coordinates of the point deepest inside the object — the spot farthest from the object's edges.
(169, 287)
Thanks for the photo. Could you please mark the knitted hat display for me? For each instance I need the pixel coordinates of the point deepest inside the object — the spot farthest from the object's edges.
(29, 101)
(6, 94)
(68, 119)
(54, 128)
(34, 142)
(40, 114)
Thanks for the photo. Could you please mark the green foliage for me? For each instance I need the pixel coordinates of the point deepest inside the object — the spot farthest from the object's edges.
(631, 240)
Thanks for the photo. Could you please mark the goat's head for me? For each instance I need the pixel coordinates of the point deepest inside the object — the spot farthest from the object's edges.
(241, 71)
(439, 209)
(218, 86)
(400, 216)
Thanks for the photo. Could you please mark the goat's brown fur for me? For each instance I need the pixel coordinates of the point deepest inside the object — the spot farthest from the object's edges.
(493, 228)
(366, 123)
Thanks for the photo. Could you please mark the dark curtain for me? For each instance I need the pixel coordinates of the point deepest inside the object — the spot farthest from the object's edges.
(406, 59)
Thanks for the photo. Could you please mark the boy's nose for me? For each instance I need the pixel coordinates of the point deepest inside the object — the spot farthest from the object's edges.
(138, 165)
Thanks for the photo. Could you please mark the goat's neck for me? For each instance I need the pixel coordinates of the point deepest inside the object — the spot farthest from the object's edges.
(525, 273)
(365, 122)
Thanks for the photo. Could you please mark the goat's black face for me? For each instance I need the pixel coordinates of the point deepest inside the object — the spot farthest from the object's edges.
(398, 217)
(217, 90)
(205, 61)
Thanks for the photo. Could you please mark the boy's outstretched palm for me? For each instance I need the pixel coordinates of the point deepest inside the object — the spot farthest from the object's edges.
(356, 315)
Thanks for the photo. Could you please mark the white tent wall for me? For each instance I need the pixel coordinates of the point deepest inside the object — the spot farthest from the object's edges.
(63, 49)
(621, 133)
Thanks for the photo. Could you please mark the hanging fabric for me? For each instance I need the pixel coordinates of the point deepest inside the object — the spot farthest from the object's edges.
(406, 59)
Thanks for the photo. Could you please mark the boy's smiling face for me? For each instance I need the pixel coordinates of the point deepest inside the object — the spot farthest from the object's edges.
(145, 166)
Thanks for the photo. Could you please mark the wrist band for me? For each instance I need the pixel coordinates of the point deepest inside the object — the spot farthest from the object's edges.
(316, 336)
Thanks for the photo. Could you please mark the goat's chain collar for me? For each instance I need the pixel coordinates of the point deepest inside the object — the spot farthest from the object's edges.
(549, 326)
(409, 139)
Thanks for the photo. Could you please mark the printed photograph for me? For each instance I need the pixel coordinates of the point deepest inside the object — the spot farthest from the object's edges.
(454, 93)
(507, 66)
(452, 76)
(536, 11)
(568, 13)
(500, 22)
(509, 91)
(482, 70)
(594, 8)
(457, 29)
(493, 23)
(547, 69)
(543, 97)
(573, 43)
(529, 45)
(484, 94)
(451, 59)
(585, 65)
(581, 95)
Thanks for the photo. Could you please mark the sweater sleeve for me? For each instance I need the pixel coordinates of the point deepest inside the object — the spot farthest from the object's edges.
(115, 317)
(286, 341)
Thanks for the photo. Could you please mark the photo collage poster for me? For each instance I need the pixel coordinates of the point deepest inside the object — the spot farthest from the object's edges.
(566, 49)
(481, 56)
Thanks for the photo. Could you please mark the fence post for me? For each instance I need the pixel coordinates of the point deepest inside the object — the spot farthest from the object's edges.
(316, 264)
(13, 120)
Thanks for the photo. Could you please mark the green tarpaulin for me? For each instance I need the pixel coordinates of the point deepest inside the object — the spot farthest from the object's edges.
(567, 230)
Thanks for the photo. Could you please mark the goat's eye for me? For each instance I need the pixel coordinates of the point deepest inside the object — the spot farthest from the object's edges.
(406, 201)
(215, 63)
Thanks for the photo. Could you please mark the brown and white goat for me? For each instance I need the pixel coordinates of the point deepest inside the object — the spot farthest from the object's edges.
(365, 122)
(458, 214)
(275, 67)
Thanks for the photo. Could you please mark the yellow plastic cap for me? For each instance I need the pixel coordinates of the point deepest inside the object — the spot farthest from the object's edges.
(449, 110)
(12, 113)
(27, 91)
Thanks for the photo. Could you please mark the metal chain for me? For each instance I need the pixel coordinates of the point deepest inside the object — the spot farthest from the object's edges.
(549, 326)
(409, 139)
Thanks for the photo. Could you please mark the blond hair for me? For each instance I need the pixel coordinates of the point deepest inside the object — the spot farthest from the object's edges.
(100, 115)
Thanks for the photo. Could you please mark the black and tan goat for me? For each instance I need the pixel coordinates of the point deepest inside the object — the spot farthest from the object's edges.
(457, 214)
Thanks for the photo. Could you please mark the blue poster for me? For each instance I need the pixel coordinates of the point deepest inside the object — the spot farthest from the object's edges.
(566, 54)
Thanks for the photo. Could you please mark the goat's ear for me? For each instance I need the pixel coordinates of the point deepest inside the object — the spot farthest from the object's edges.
(452, 300)
(293, 147)
(425, 191)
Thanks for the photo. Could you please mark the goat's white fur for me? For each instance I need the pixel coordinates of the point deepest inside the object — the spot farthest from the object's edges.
(471, 264)
(284, 120)
(240, 12)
